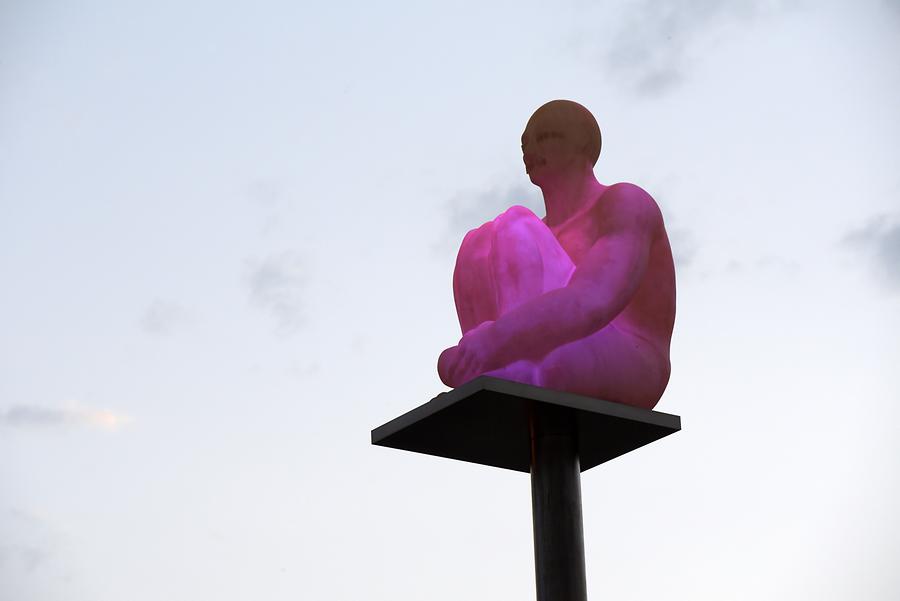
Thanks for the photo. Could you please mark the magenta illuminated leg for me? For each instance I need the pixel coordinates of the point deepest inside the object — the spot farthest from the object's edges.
(473, 282)
(504, 263)
(526, 259)
(610, 364)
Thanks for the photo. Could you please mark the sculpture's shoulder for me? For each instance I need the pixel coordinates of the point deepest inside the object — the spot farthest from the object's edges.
(625, 202)
(630, 197)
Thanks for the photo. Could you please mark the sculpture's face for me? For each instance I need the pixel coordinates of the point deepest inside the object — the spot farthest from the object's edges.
(549, 150)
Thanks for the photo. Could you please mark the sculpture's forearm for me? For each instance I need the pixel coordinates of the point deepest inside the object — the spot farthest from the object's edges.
(596, 294)
(547, 322)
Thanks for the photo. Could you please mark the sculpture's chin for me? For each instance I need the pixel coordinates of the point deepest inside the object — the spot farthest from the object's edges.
(538, 175)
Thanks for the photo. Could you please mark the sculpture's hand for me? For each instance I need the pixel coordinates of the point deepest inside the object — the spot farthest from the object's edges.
(472, 357)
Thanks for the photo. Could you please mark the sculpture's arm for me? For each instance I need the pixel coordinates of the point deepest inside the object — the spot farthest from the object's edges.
(600, 288)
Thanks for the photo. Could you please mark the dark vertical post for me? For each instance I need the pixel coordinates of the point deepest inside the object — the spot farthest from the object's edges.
(556, 505)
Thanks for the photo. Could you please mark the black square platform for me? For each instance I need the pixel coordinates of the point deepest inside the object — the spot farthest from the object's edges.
(486, 421)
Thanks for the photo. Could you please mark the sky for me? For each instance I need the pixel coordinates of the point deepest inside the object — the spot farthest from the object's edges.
(227, 233)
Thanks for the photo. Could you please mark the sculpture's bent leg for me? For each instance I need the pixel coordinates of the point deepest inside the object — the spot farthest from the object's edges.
(473, 284)
(526, 259)
(504, 263)
(611, 364)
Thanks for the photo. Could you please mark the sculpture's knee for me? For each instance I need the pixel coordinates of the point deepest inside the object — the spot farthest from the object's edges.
(517, 223)
(474, 288)
(524, 245)
(515, 235)
(516, 214)
(477, 242)
(516, 258)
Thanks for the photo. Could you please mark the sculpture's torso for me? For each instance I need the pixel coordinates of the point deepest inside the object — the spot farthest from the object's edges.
(651, 312)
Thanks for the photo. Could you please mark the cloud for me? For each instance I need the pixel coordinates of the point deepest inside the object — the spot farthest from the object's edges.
(28, 542)
(466, 211)
(32, 416)
(276, 285)
(27, 558)
(163, 317)
(655, 48)
(879, 241)
(684, 246)
(893, 5)
(267, 195)
(264, 192)
(682, 239)
(650, 50)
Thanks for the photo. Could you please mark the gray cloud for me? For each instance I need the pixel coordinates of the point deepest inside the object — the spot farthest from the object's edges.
(32, 416)
(276, 285)
(25, 557)
(684, 246)
(264, 192)
(467, 211)
(655, 48)
(879, 241)
(163, 317)
(268, 196)
(682, 240)
(29, 542)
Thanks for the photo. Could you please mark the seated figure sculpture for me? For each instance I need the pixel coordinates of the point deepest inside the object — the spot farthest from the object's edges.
(580, 301)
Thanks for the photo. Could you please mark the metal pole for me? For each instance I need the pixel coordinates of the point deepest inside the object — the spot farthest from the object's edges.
(556, 505)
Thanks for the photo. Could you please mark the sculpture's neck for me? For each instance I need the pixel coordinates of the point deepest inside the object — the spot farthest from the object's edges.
(567, 195)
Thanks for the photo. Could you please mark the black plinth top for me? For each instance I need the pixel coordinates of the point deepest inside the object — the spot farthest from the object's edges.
(486, 421)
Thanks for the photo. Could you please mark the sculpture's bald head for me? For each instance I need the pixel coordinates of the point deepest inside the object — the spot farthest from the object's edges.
(571, 130)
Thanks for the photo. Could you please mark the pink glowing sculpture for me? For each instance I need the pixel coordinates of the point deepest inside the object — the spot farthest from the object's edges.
(582, 300)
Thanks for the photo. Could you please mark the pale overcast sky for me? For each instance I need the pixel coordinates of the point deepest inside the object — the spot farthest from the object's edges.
(227, 232)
